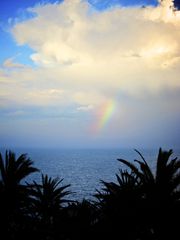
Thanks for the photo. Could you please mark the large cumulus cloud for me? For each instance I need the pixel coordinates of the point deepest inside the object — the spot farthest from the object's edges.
(85, 57)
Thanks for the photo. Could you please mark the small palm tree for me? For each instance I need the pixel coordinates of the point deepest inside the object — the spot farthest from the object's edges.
(48, 198)
(126, 189)
(119, 205)
(47, 205)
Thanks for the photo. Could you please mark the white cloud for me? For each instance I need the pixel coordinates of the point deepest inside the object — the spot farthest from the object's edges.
(74, 35)
(81, 49)
(85, 108)
(86, 57)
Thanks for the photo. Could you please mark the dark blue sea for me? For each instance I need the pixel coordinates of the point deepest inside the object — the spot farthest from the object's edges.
(84, 168)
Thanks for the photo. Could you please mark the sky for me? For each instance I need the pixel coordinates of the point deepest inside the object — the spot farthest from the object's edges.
(90, 74)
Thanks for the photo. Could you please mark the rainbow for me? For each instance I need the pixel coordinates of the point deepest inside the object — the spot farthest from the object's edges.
(104, 115)
(107, 112)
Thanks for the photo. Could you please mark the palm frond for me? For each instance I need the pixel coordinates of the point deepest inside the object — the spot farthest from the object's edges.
(145, 167)
(132, 167)
(162, 161)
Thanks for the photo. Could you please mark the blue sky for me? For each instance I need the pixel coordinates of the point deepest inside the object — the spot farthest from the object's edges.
(103, 74)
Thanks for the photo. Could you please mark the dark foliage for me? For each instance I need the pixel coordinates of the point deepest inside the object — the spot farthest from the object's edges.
(143, 204)
(14, 195)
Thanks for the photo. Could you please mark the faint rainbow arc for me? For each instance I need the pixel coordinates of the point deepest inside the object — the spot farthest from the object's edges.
(104, 115)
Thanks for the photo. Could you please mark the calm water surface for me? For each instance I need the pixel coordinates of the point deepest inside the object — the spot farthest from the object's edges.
(83, 168)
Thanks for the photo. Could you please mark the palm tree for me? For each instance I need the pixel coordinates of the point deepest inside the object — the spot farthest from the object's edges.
(119, 206)
(46, 208)
(165, 182)
(141, 201)
(13, 193)
(12, 172)
(48, 197)
(160, 191)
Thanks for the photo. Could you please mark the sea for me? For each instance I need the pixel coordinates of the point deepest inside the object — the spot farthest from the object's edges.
(84, 169)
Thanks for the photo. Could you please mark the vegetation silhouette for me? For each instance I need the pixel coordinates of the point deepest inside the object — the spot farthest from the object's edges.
(82, 217)
(142, 203)
(160, 191)
(47, 202)
(13, 193)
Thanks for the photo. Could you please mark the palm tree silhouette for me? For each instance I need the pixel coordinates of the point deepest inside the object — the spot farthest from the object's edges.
(48, 198)
(14, 194)
(12, 172)
(47, 204)
(142, 201)
(119, 206)
(164, 183)
(160, 192)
